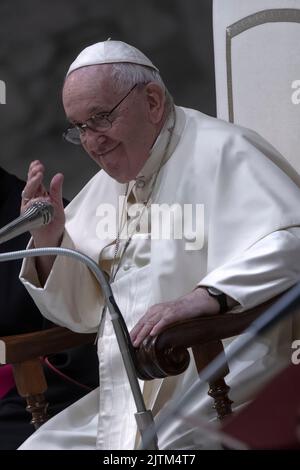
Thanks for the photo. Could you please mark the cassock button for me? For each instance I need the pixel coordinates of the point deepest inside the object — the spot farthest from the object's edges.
(140, 183)
(126, 267)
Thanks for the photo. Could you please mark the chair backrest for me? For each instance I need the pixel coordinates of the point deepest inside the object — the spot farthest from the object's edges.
(257, 65)
(257, 68)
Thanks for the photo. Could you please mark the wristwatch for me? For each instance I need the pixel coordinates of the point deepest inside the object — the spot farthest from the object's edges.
(220, 297)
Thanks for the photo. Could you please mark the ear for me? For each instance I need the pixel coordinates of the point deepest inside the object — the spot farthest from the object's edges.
(156, 100)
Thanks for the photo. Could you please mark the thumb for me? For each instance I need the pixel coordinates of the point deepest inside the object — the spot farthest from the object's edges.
(56, 188)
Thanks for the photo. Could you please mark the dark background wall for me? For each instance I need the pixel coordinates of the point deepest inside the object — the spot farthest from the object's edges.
(40, 38)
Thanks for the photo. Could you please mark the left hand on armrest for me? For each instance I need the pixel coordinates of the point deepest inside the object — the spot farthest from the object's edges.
(198, 302)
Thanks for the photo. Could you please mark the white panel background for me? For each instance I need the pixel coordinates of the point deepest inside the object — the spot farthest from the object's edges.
(265, 62)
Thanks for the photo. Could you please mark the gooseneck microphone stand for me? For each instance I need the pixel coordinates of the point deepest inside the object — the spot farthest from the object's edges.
(144, 418)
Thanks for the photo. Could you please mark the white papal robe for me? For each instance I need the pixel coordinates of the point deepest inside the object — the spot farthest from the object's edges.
(249, 248)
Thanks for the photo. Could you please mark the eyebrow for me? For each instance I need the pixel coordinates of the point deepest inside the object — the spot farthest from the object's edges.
(97, 110)
(92, 112)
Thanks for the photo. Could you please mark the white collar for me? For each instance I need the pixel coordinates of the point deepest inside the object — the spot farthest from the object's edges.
(142, 183)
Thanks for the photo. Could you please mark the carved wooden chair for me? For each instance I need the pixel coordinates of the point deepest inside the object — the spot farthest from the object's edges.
(167, 353)
(158, 357)
(255, 72)
(25, 352)
(257, 64)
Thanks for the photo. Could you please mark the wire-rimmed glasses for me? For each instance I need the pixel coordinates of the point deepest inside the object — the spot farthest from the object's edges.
(99, 122)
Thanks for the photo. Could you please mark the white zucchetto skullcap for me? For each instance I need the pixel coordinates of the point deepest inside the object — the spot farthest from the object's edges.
(110, 52)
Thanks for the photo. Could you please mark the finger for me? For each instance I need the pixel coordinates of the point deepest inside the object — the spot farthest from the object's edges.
(170, 317)
(27, 204)
(142, 334)
(145, 325)
(32, 165)
(140, 325)
(161, 318)
(34, 187)
(35, 167)
(161, 325)
(56, 186)
(135, 331)
(34, 162)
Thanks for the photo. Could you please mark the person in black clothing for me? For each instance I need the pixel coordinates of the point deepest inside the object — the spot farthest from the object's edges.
(71, 374)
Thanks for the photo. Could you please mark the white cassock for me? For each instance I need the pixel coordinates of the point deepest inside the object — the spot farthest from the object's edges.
(248, 246)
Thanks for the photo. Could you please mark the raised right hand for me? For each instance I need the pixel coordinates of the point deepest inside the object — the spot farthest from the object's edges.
(51, 234)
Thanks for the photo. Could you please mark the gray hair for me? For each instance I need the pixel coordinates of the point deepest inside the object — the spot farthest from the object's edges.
(126, 75)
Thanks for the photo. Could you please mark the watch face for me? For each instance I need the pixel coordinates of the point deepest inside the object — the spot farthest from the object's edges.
(214, 291)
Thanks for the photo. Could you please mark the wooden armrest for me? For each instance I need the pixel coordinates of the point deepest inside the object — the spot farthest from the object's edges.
(20, 348)
(167, 353)
(24, 351)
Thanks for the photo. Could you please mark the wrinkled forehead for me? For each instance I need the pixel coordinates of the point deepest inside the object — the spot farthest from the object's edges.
(86, 87)
(91, 76)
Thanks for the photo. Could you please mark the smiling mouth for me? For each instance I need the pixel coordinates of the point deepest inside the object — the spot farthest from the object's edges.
(102, 154)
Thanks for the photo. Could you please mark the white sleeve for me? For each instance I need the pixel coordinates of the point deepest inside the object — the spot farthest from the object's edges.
(264, 270)
(71, 296)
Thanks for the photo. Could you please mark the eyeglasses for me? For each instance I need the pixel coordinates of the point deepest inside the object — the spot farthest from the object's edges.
(99, 122)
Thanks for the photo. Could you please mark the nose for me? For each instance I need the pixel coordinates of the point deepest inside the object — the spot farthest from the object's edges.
(93, 138)
(95, 143)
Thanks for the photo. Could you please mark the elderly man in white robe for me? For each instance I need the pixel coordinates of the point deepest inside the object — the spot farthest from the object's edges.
(246, 246)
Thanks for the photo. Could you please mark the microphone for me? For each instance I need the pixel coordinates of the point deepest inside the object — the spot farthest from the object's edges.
(38, 214)
(144, 417)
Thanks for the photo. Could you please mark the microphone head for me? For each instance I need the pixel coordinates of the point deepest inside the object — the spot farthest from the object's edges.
(38, 214)
(41, 210)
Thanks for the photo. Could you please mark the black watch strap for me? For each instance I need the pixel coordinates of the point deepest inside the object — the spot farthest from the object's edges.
(220, 297)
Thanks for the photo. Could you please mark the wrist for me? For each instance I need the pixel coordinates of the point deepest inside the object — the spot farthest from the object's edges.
(220, 297)
(42, 242)
(206, 303)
